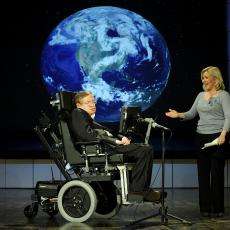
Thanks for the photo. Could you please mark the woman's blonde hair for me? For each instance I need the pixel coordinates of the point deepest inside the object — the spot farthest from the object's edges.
(214, 71)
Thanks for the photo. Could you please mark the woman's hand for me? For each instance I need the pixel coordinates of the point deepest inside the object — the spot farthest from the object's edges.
(221, 138)
(172, 113)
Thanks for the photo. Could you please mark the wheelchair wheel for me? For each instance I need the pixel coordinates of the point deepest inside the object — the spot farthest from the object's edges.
(77, 201)
(108, 199)
(30, 211)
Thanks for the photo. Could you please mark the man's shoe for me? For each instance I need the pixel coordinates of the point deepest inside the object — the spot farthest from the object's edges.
(154, 196)
(136, 196)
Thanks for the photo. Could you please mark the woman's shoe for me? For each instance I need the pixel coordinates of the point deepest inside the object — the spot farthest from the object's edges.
(217, 215)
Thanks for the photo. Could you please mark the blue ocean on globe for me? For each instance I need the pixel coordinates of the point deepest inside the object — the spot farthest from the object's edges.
(116, 54)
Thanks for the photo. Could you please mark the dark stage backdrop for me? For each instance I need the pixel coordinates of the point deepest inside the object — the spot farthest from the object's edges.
(195, 33)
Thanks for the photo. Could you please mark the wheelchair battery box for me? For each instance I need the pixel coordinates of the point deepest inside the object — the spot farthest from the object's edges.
(48, 189)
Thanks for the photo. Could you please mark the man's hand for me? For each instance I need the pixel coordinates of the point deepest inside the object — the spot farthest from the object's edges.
(123, 141)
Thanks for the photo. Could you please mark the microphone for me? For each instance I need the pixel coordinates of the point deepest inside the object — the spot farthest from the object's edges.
(153, 123)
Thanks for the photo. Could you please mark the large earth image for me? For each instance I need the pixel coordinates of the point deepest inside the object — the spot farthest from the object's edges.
(116, 54)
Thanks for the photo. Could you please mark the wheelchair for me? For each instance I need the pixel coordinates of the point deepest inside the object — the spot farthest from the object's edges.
(90, 169)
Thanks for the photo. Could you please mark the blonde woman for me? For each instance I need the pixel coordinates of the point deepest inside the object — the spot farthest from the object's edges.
(213, 108)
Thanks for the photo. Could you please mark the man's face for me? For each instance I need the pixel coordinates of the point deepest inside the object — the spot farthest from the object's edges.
(88, 104)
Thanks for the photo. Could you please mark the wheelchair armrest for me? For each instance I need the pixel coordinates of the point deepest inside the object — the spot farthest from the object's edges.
(86, 143)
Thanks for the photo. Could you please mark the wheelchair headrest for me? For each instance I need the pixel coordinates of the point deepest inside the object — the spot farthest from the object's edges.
(67, 102)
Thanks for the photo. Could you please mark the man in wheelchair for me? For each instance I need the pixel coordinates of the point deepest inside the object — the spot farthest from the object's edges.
(84, 128)
(95, 157)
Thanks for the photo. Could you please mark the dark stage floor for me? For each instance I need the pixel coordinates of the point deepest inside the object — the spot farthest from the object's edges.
(181, 202)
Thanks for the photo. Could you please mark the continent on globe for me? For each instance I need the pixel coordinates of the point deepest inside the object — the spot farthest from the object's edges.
(116, 54)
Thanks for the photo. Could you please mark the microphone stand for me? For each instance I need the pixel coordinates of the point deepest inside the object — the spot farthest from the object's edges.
(163, 210)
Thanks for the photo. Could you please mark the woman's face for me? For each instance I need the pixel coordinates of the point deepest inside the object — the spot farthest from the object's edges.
(209, 82)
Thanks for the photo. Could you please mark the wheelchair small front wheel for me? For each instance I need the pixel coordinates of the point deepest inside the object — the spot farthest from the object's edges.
(31, 211)
(77, 201)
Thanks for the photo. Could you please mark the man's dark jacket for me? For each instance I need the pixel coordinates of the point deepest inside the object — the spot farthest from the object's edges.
(84, 128)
